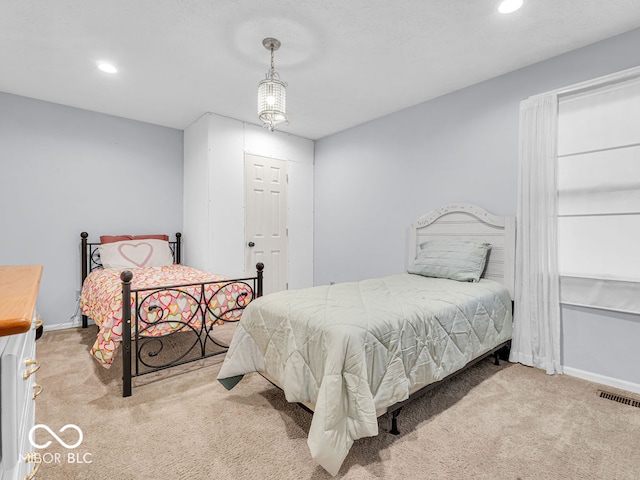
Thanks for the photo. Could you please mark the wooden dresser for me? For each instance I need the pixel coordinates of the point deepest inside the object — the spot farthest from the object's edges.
(18, 390)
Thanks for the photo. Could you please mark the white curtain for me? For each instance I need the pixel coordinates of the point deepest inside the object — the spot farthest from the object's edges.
(536, 335)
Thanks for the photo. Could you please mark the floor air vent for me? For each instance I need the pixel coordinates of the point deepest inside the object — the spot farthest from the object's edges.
(619, 398)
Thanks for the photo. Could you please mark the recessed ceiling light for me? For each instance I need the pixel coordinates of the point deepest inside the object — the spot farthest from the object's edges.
(107, 67)
(509, 6)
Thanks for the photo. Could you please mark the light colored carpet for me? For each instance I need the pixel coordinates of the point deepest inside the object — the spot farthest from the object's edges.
(506, 422)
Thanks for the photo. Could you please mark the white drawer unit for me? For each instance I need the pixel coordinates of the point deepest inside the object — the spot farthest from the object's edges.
(18, 366)
(17, 391)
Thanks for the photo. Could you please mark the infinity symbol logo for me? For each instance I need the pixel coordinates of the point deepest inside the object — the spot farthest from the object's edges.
(60, 441)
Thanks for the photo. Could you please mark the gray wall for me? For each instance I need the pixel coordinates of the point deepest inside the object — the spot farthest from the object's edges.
(64, 171)
(373, 180)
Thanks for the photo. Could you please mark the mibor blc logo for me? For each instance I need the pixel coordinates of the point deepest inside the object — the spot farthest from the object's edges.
(70, 457)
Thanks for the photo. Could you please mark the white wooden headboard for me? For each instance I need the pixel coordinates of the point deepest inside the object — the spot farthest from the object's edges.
(467, 221)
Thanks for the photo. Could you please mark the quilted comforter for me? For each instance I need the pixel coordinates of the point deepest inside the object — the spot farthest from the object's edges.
(353, 348)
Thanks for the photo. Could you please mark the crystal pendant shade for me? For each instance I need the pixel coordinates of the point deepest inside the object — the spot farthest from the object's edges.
(272, 93)
(272, 102)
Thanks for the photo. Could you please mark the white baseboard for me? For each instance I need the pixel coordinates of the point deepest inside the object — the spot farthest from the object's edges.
(596, 378)
(75, 323)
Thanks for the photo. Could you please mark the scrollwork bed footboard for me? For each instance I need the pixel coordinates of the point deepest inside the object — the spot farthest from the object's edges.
(177, 324)
(172, 314)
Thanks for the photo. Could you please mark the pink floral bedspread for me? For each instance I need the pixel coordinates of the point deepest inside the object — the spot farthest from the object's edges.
(172, 310)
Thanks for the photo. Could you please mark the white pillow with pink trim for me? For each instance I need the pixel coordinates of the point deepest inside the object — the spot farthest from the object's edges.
(136, 254)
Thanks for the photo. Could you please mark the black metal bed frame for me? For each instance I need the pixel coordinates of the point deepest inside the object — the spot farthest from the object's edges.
(501, 351)
(201, 297)
(498, 352)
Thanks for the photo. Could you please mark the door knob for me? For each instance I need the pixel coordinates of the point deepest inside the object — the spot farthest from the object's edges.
(251, 244)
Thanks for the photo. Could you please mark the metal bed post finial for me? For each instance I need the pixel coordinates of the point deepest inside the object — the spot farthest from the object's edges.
(126, 278)
(178, 253)
(259, 268)
(84, 236)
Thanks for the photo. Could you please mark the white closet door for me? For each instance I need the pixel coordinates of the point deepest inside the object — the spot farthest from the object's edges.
(266, 220)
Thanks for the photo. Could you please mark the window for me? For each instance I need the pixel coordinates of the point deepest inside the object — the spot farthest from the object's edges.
(599, 197)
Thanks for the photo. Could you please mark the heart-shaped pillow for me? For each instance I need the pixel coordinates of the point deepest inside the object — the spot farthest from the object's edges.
(136, 254)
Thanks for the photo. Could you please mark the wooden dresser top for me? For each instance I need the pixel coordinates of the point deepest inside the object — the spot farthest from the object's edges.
(18, 292)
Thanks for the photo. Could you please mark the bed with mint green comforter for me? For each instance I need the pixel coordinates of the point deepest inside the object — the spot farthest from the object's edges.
(352, 349)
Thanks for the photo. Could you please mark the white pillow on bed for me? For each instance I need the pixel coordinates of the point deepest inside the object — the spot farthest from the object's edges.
(136, 254)
(460, 260)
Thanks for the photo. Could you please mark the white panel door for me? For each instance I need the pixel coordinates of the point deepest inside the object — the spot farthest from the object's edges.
(266, 220)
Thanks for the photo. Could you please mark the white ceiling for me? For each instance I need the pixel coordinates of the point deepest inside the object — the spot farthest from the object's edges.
(346, 61)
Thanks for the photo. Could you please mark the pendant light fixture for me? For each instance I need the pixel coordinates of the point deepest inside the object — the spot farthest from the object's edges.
(272, 93)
